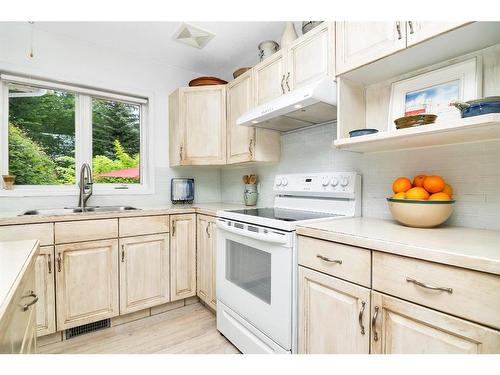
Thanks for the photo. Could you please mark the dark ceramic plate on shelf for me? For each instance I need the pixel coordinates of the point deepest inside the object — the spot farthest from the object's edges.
(359, 132)
(478, 107)
(416, 120)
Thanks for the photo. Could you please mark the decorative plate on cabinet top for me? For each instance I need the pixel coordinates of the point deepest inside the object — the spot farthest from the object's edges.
(240, 71)
(206, 81)
(416, 120)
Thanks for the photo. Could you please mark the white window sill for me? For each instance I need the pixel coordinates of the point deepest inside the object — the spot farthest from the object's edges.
(72, 191)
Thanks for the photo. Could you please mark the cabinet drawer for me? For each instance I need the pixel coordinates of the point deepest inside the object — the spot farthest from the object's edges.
(42, 232)
(325, 256)
(86, 230)
(136, 226)
(472, 295)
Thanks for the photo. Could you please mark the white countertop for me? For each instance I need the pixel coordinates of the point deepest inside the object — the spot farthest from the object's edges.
(11, 218)
(15, 257)
(476, 249)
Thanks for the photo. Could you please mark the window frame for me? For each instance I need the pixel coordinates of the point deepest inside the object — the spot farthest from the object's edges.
(83, 139)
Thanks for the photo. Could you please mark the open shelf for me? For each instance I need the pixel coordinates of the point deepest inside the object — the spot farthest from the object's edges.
(471, 129)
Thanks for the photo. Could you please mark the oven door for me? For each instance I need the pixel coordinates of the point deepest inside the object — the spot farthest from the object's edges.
(254, 277)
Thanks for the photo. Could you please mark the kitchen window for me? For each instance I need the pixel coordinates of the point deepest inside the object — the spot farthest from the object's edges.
(48, 130)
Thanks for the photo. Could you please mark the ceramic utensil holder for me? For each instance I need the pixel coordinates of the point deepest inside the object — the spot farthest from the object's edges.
(250, 194)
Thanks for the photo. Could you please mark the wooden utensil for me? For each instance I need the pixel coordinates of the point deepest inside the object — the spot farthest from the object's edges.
(245, 179)
(252, 179)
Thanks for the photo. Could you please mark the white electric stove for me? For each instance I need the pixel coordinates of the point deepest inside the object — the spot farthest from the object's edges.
(257, 258)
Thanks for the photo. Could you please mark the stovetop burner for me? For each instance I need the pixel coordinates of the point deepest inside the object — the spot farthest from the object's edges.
(283, 214)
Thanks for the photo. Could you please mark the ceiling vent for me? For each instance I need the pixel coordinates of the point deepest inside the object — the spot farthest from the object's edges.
(193, 36)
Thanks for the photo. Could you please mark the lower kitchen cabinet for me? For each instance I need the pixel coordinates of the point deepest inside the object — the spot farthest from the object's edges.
(205, 259)
(144, 272)
(86, 282)
(45, 290)
(333, 315)
(400, 327)
(182, 256)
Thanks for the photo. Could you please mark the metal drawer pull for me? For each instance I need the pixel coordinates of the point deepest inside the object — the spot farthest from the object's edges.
(410, 23)
(374, 324)
(123, 253)
(338, 261)
(207, 230)
(428, 286)
(287, 78)
(35, 300)
(398, 28)
(49, 263)
(360, 317)
(59, 261)
(282, 83)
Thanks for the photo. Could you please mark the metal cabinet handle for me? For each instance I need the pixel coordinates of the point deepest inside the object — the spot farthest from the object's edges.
(207, 230)
(338, 261)
(180, 153)
(250, 148)
(59, 261)
(282, 84)
(49, 263)
(173, 228)
(398, 28)
(374, 324)
(287, 77)
(360, 317)
(410, 24)
(123, 253)
(428, 286)
(35, 300)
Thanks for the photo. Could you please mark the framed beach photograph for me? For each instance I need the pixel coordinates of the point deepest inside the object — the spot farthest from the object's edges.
(432, 92)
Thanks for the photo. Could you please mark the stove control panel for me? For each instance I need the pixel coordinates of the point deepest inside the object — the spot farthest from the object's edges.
(328, 184)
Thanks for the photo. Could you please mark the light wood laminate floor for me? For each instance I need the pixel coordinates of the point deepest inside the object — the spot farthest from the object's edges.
(189, 330)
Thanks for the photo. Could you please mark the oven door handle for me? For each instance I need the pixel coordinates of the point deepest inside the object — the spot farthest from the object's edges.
(269, 237)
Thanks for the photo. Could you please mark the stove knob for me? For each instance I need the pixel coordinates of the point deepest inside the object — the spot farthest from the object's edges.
(325, 181)
(335, 181)
(278, 181)
(284, 181)
(345, 181)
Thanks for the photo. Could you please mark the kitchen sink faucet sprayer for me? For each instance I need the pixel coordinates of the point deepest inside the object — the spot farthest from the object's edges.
(85, 185)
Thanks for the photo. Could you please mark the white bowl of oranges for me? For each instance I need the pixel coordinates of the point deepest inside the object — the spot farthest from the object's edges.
(424, 203)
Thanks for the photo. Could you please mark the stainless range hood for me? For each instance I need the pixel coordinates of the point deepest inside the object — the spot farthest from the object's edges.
(306, 106)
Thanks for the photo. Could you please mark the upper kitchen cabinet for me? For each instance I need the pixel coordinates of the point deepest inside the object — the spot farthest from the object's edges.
(197, 120)
(308, 59)
(269, 78)
(418, 31)
(311, 57)
(247, 144)
(359, 43)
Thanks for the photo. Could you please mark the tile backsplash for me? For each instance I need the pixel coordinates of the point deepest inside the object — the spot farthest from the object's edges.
(472, 169)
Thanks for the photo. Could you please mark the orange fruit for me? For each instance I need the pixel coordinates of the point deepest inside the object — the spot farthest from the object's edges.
(417, 193)
(401, 195)
(448, 190)
(433, 184)
(401, 184)
(419, 180)
(439, 197)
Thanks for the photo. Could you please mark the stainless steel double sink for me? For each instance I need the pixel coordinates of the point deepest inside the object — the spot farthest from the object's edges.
(78, 210)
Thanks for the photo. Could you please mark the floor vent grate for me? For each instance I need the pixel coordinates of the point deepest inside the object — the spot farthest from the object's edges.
(87, 328)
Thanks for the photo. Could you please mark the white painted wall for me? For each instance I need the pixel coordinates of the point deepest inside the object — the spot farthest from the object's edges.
(60, 58)
(472, 169)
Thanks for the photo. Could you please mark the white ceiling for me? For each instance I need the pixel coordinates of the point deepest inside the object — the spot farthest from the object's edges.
(234, 46)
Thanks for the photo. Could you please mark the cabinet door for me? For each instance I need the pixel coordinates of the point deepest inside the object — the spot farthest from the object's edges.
(359, 43)
(418, 31)
(240, 139)
(311, 57)
(144, 272)
(400, 327)
(204, 124)
(269, 77)
(204, 258)
(182, 256)
(45, 290)
(213, 251)
(333, 315)
(86, 282)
